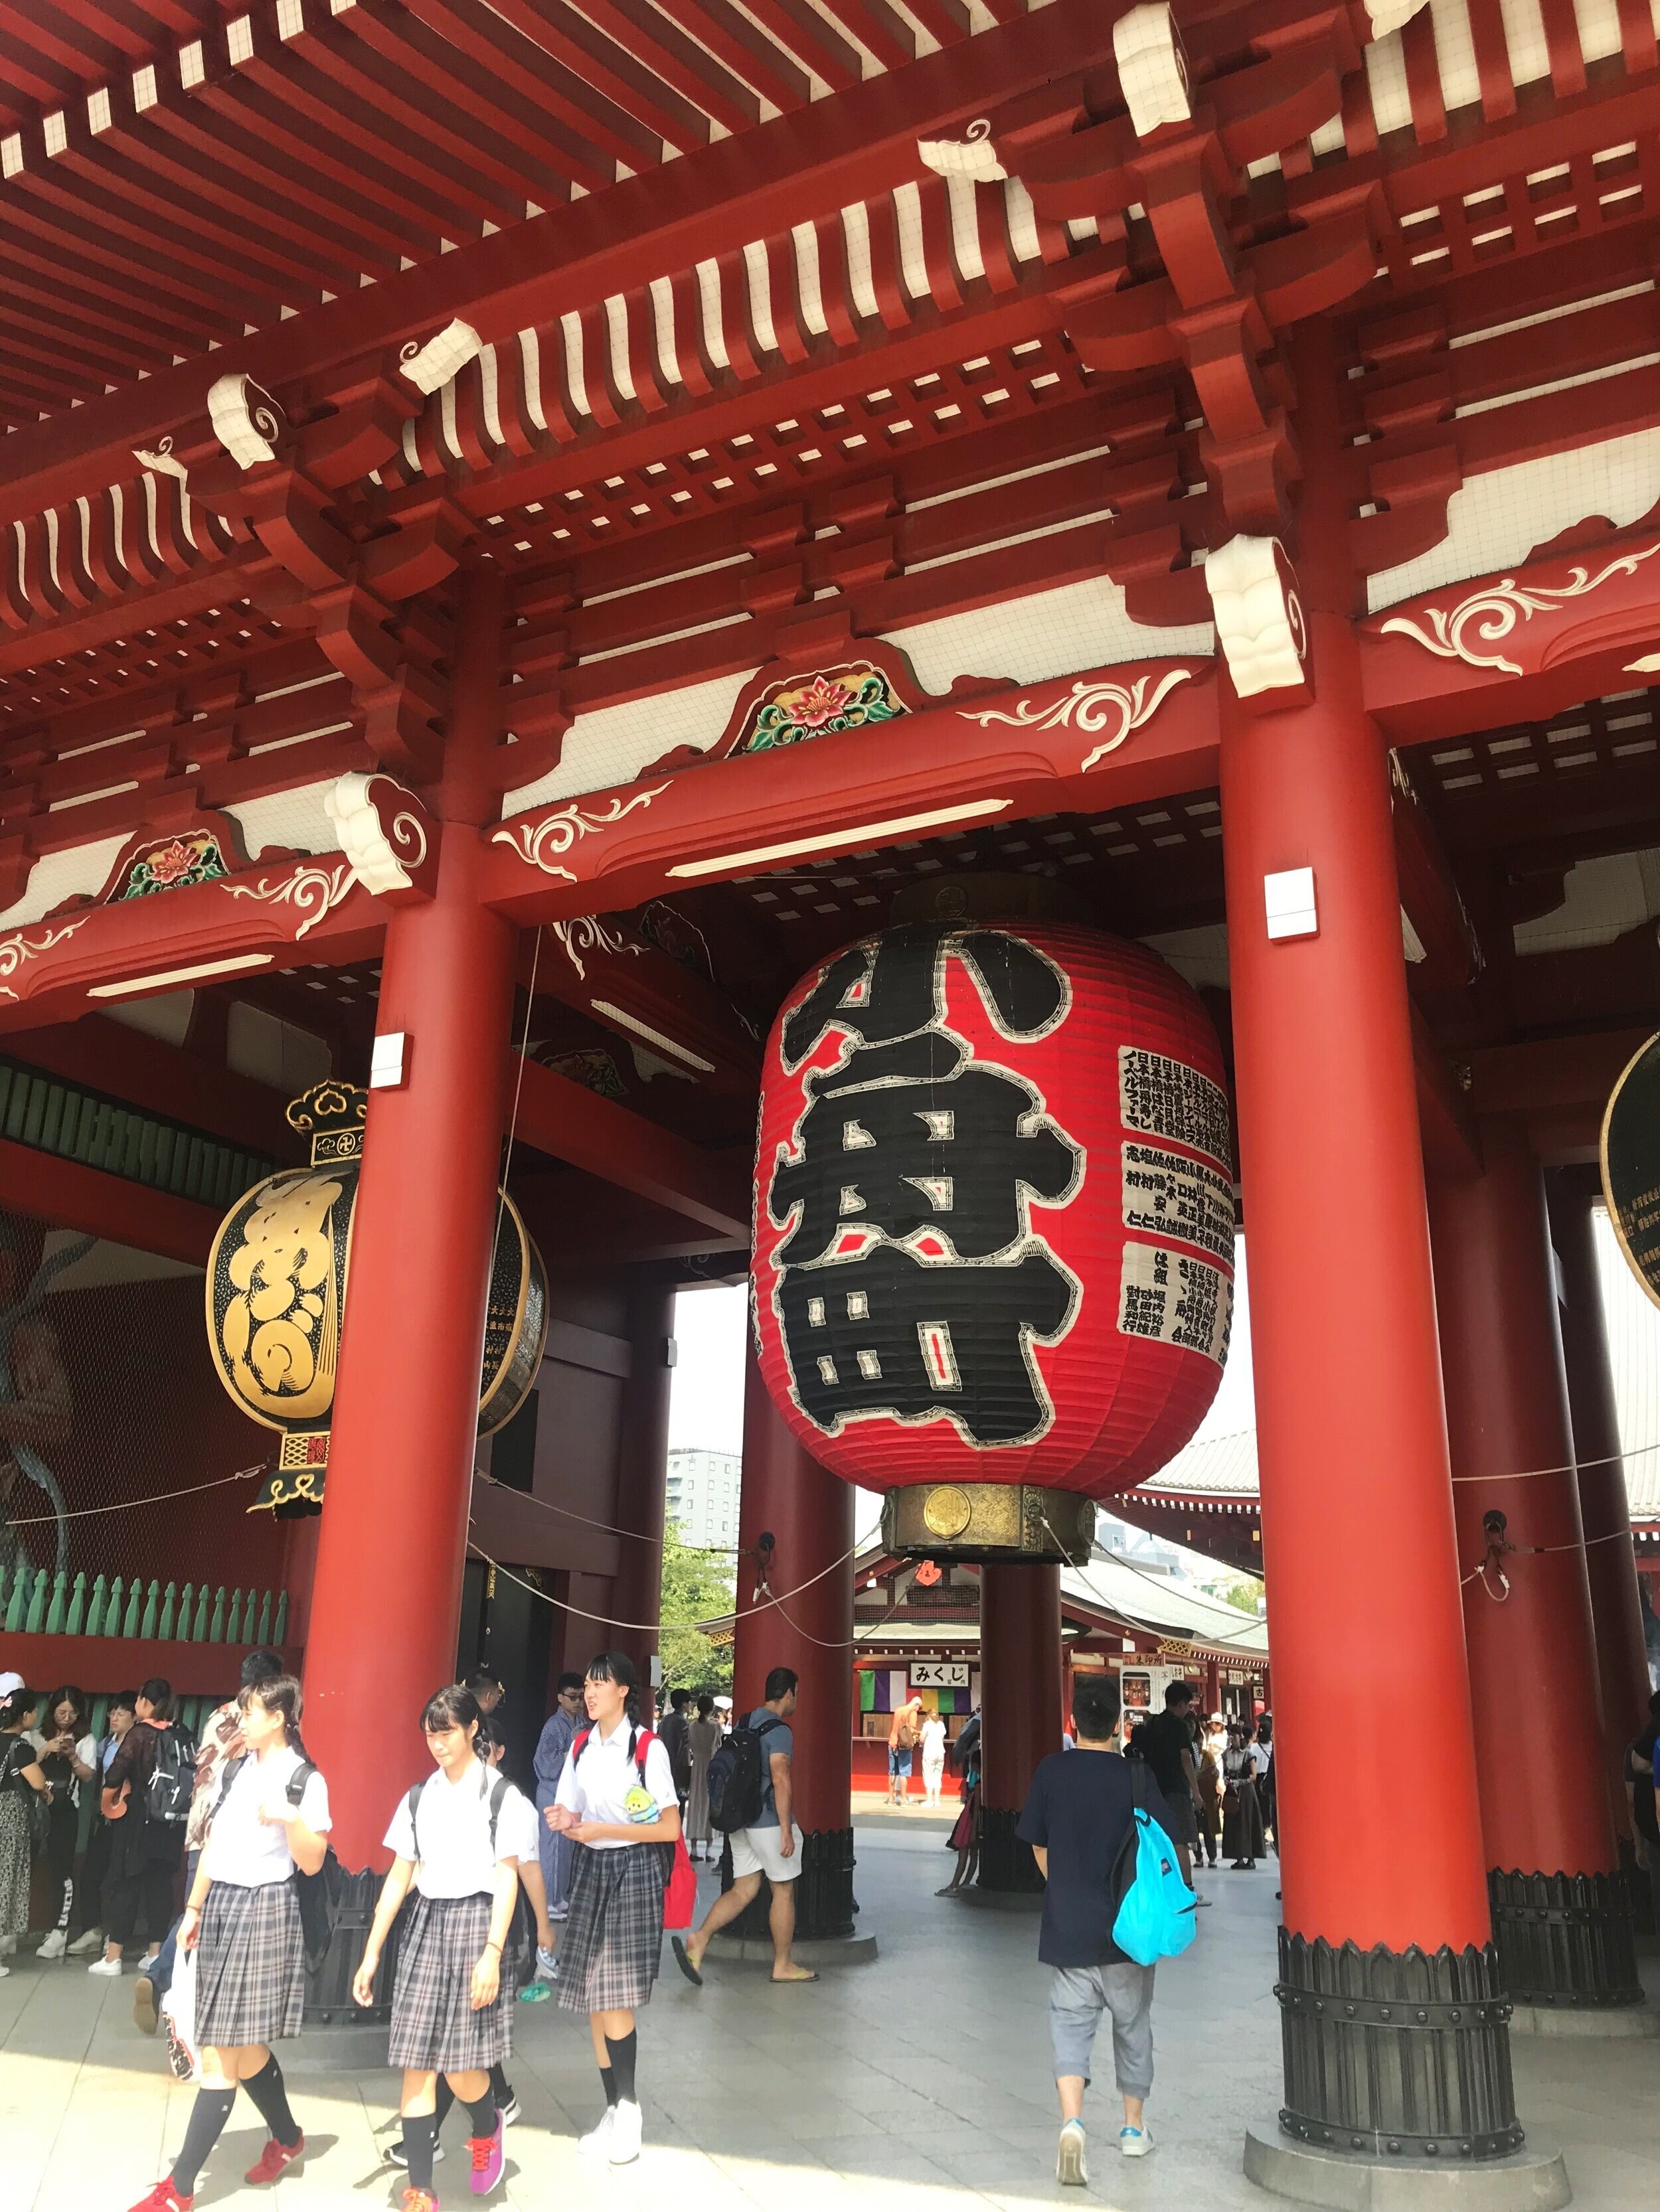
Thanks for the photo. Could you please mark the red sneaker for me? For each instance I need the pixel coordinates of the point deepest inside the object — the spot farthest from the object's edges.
(275, 2159)
(164, 2197)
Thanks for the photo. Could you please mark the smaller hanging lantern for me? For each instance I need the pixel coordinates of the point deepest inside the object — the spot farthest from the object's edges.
(276, 1293)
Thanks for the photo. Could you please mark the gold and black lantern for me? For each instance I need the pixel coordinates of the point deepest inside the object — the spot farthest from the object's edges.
(276, 1293)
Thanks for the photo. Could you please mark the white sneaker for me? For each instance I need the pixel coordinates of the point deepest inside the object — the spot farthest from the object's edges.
(597, 2142)
(624, 2133)
(91, 1939)
(1070, 2163)
(110, 1968)
(4, 1971)
(1135, 2142)
(55, 1945)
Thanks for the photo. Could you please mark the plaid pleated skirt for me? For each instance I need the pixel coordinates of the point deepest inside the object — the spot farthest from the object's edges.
(433, 2022)
(610, 1945)
(250, 1966)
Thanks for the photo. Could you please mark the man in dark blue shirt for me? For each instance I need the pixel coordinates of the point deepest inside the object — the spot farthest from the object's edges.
(1078, 1811)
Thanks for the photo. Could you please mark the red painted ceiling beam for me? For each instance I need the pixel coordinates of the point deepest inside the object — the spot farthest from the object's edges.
(94, 1204)
(578, 1126)
(654, 224)
(161, 1078)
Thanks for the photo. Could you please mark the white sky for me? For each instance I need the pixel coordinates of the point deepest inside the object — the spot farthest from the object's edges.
(707, 1402)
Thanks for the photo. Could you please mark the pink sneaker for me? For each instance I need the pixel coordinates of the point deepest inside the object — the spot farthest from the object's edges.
(488, 2153)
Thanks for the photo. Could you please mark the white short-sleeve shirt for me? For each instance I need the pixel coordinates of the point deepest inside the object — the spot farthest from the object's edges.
(1258, 1757)
(605, 1785)
(452, 1842)
(248, 1851)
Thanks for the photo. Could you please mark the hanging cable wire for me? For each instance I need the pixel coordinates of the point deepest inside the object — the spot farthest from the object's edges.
(654, 1627)
(157, 1497)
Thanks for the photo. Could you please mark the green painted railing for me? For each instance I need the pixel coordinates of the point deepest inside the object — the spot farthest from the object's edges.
(100, 1133)
(34, 1602)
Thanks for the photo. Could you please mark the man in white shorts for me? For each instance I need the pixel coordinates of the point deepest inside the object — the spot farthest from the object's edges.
(770, 1846)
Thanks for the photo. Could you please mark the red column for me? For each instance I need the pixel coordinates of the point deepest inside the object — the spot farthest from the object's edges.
(386, 1595)
(1616, 1609)
(642, 1474)
(809, 1515)
(1020, 1716)
(1544, 1800)
(1350, 1432)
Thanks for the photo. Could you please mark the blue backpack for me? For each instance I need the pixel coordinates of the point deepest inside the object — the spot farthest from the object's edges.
(1156, 1909)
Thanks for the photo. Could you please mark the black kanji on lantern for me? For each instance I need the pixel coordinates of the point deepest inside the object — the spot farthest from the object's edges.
(910, 1283)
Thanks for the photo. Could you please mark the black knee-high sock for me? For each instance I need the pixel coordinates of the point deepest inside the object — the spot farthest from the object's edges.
(445, 2099)
(501, 2084)
(622, 2049)
(207, 2124)
(608, 2083)
(420, 2134)
(270, 2093)
(480, 2117)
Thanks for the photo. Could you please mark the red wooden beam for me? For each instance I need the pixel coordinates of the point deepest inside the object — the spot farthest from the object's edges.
(1114, 737)
(758, 184)
(70, 1196)
(576, 1125)
(103, 1664)
(162, 1078)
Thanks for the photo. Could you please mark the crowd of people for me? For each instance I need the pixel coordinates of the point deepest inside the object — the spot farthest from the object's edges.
(494, 1894)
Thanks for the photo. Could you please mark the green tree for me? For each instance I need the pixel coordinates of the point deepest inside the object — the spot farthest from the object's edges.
(697, 1586)
(1244, 1591)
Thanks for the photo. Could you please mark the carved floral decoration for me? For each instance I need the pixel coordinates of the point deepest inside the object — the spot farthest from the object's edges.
(1091, 705)
(849, 697)
(20, 947)
(311, 890)
(539, 842)
(1468, 630)
(172, 864)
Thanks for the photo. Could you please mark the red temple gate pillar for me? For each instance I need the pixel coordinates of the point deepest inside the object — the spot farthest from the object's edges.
(1353, 1445)
(807, 1625)
(642, 1476)
(1561, 1918)
(1616, 1608)
(385, 1599)
(1020, 1709)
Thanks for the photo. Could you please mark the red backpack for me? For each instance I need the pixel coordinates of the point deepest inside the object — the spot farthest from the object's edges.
(680, 1889)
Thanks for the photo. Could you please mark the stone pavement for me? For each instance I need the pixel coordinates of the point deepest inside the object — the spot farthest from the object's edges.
(916, 2084)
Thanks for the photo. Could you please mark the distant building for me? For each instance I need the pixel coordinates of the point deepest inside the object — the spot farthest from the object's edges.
(702, 1496)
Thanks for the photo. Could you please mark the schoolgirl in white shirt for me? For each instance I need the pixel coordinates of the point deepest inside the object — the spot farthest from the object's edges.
(616, 1801)
(456, 1839)
(242, 1921)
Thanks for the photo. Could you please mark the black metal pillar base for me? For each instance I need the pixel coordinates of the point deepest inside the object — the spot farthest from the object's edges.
(328, 1986)
(824, 1902)
(1565, 1939)
(1396, 2055)
(1006, 1863)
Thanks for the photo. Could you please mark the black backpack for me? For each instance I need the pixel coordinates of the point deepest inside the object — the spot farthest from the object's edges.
(737, 1777)
(172, 1782)
(317, 1895)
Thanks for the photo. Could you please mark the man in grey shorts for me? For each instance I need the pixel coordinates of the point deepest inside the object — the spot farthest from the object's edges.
(1076, 1813)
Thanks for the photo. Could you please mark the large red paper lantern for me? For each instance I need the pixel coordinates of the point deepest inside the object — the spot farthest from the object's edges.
(994, 1224)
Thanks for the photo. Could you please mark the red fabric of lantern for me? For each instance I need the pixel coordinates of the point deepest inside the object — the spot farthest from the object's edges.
(993, 1213)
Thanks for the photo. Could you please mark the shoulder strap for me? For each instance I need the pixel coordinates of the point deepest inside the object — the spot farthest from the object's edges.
(413, 1801)
(232, 1768)
(298, 1779)
(499, 1789)
(580, 1743)
(771, 1722)
(643, 1741)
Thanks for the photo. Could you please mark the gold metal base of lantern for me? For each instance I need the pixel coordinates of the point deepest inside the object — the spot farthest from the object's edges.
(989, 1521)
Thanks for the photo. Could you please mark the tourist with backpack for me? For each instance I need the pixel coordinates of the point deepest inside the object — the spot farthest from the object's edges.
(243, 1923)
(222, 1742)
(456, 1839)
(617, 1801)
(751, 1791)
(147, 1794)
(1084, 1808)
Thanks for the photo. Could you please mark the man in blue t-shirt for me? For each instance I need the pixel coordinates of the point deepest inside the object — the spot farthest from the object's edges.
(1078, 1811)
(770, 1846)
